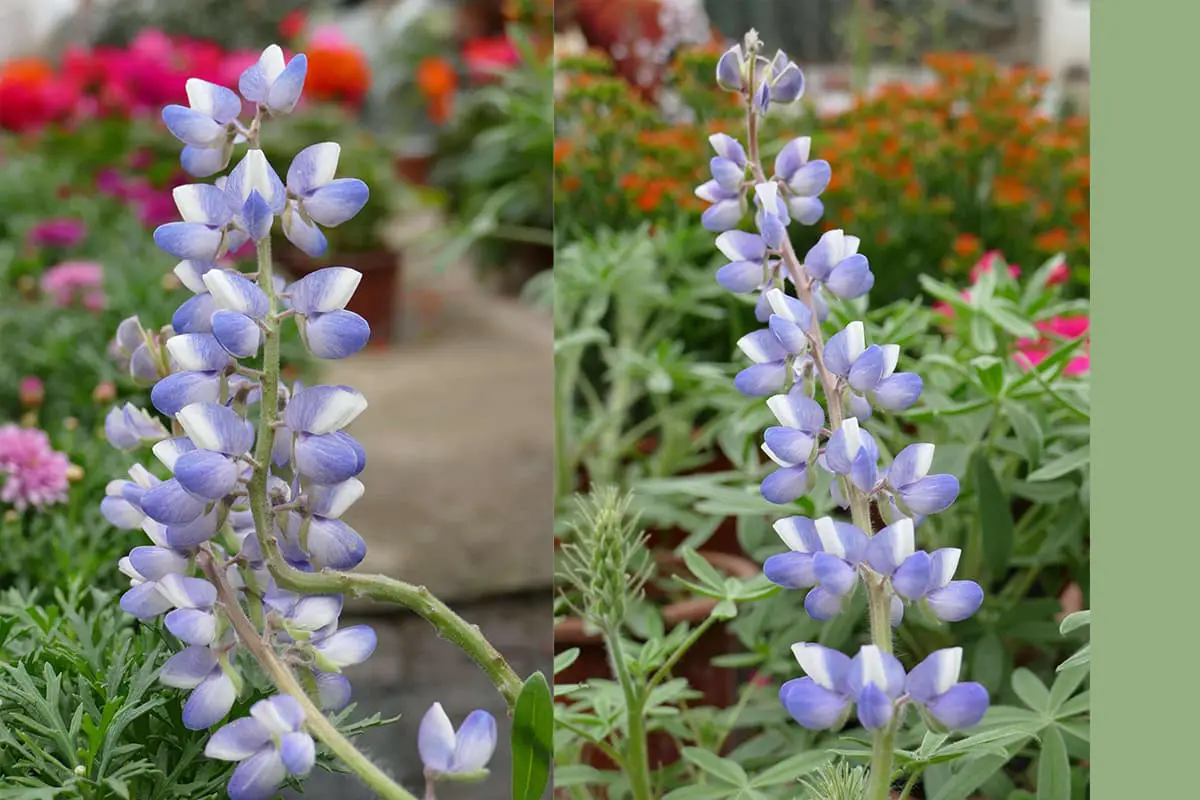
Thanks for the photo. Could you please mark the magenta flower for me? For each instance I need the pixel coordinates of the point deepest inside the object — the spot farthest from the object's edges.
(62, 232)
(34, 474)
(76, 282)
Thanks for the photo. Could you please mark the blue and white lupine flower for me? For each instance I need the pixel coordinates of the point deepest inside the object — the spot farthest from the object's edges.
(206, 230)
(255, 196)
(466, 751)
(790, 321)
(319, 300)
(146, 566)
(206, 125)
(129, 427)
(322, 452)
(122, 503)
(915, 489)
(870, 372)
(731, 70)
(273, 83)
(772, 367)
(876, 681)
(782, 81)
(315, 198)
(209, 677)
(726, 208)
(805, 180)
(238, 306)
(934, 685)
(334, 649)
(792, 445)
(835, 262)
(270, 745)
(824, 557)
(924, 577)
(821, 700)
(852, 452)
(192, 621)
(771, 215)
(748, 268)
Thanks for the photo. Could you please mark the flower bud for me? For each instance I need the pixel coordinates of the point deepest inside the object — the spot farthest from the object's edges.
(31, 392)
(104, 393)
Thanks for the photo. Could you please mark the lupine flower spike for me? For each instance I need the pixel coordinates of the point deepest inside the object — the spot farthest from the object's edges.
(822, 394)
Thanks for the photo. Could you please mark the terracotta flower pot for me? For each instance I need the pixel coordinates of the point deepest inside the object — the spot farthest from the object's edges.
(377, 299)
(719, 686)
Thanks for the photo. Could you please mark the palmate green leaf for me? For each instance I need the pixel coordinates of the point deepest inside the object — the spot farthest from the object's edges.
(722, 769)
(1066, 683)
(1063, 465)
(791, 769)
(1084, 656)
(1029, 432)
(1054, 768)
(995, 515)
(969, 776)
(1074, 621)
(1003, 315)
(1031, 690)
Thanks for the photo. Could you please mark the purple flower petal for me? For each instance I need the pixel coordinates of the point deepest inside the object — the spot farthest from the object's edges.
(279, 714)
(185, 592)
(238, 740)
(741, 277)
(822, 605)
(791, 570)
(202, 203)
(797, 410)
(324, 409)
(811, 179)
(207, 474)
(889, 548)
(170, 504)
(910, 465)
(235, 292)
(306, 236)
(337, 334)
(194, 315)
(911, 578)
(956, 601)
(729, 70)
(333, 544)
(863, 471)
(298, 752)
(961, 706)
(213, 100)
(144, 601)
(192, 127)
(258, 777)
(313, 612)
(873, 666)
(475, 742)
(930, 495)
(153, 563)
(436, 740)
(254, 173)
(867, 370)
(792, 157)
(722, 216)
(793, 446)
(192, 626)
(186, 535)
(238, 334)
(728, 147)
(312, 168)
(787, 484)
(727, 173)
(790, 335)
(256, 80)
(742, 246)
(188, 668)
(325, 290)
(286, 88)
(827, 667)
(899, 391)
(813, 706)
(181, 389)
(212, 426)
(799, 533)
(209, 702)
(197, 352)
(348, 646)
(935, 675)
(806, 210)
(761, 380)
(188, 240)
(875, 709)
(834, 574)
(787, 85)
(333, 501)
(333, 690)
(851, 278)
(203, 162)
(336, 202)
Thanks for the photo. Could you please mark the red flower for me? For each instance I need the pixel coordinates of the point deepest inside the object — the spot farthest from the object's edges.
(293, 25)
(487, 56)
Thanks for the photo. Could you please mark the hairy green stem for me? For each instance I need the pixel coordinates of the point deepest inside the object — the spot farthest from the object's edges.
(637, 751)
(879, 786)
(377, 587)
(693, 637)
(283, 677)
(878, 600)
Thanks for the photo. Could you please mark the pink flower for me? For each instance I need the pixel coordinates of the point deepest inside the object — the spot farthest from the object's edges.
(34, 474)
(75, 281)
(1066, 327)
(1030, 353)
(988, 261)
(1030, 357)
(1060, 274)
(60, 232)
(31, 391)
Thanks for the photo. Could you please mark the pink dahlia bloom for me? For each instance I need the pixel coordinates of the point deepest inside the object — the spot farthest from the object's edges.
(74, 282)
(34, 475)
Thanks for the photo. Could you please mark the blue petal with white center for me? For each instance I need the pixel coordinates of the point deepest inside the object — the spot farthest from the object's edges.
(327, 289)
(197, 352)
(336, 202)
(194, 315)
(170, 504)
(324, 409)
(207, 474)
(189, 240)
(238, 334)
(181, 389)
(212, 426)
(337, 334)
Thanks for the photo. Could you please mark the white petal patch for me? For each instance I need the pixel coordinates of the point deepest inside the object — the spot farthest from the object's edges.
(945, 566)
(812, 660)
(903, 540)
(787, 531)
(850, 246)
(853, 437)
(324, 161)
(771, 455)
(830, 541)
(923, 460)
(891, 356)
(749, 345)
(872, 666)
(949, 664)
(856, 341)
(200, 96)
(272, 62)
(783, 411)
(189, 202)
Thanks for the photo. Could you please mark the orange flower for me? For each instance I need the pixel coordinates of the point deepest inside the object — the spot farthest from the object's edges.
(437, 81)
(967, 245)
(1053, 241)
(562, 151)
(337, 73)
